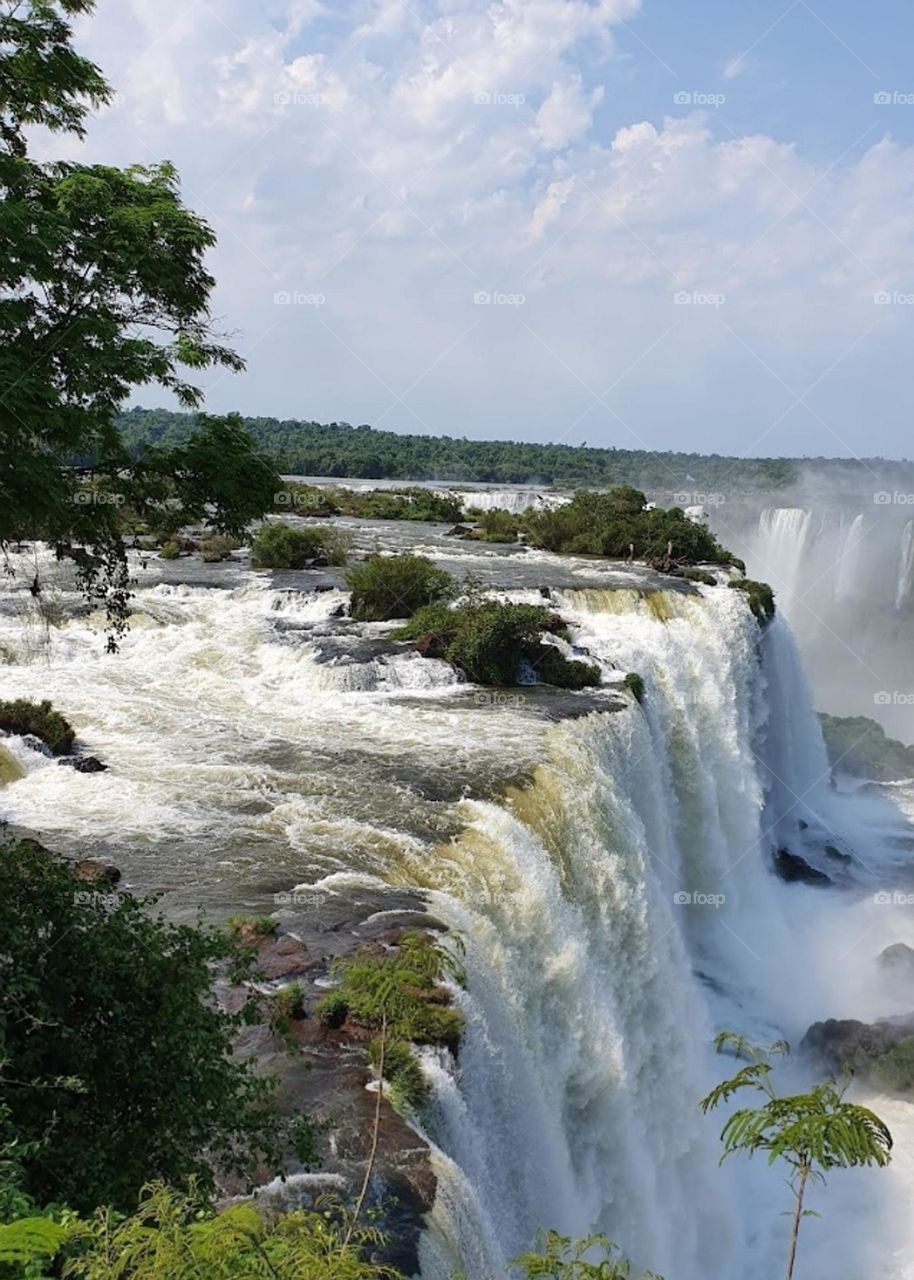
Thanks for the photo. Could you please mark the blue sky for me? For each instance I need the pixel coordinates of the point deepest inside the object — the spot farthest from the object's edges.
(646, 223)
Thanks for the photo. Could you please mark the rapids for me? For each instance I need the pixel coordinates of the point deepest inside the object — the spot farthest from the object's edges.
(607, 867)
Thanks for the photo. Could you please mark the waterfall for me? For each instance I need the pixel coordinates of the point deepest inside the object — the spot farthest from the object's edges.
(847, 569)
(609, 877)
(784, 535)
(906, 567)
(638, 854)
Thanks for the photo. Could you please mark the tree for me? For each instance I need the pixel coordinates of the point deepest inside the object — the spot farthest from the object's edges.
(812, 1132)
(104, 288)
(116, 1064)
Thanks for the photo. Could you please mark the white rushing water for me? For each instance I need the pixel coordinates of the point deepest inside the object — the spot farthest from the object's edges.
(609, 876)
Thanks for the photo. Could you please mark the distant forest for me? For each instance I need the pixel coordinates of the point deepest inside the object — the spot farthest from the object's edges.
(338, 449)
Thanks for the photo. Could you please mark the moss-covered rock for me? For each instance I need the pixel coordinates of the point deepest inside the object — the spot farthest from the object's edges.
(490, 641)
(635, 684)
(759, 595)
(41, 721)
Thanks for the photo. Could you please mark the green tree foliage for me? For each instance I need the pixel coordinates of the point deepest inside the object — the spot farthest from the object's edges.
(104, 289)
(117, 1066)
(280, 546)
(559, 1257)
(170, 1237)
(490, 641)
(386, 587)
(812, 1132)
(616, 524)
(338, 449)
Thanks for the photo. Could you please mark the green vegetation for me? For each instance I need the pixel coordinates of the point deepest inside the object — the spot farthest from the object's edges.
(251, 930)
(616, 524)
(635, 684)
(371, 504)
(172, 1237)
(169, 550)
(402, 986)
(859, 746)
(116, 1066)
(280, 546)
(496, 525)
(561, 1258)
(489, 641)
(812, 1133)
(387, 587)
(218, 547)
(759, 595)
(338, 449)
(70, 353)
(894, 1070)
(41, 721)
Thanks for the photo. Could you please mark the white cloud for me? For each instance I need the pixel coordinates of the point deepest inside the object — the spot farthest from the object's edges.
(398, 158)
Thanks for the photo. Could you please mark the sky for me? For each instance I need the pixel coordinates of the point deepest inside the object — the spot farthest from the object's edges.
(661, 224)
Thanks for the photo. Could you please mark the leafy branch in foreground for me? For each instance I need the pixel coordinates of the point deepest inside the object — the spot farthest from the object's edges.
(105, 288)
(558, 1257)
(812, 1132)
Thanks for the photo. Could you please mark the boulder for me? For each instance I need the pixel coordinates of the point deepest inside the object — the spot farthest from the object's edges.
(93, 871)
(84, 764)
(283, 956)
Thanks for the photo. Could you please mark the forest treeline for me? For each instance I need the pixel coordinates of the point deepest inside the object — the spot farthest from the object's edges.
(338, 449)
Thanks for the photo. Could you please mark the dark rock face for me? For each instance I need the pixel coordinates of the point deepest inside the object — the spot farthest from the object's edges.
(846, 1044)
(796, 870)
(84, 764)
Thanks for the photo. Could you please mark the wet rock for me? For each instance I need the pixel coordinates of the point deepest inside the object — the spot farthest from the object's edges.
(93, 871)
(878, 1051)
(284, 956)
(837, 855)
(339, 611)
(84, 764)
(459, 531)
(796, 870)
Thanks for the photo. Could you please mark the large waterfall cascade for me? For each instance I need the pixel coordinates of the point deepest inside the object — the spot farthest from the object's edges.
(611, 883)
